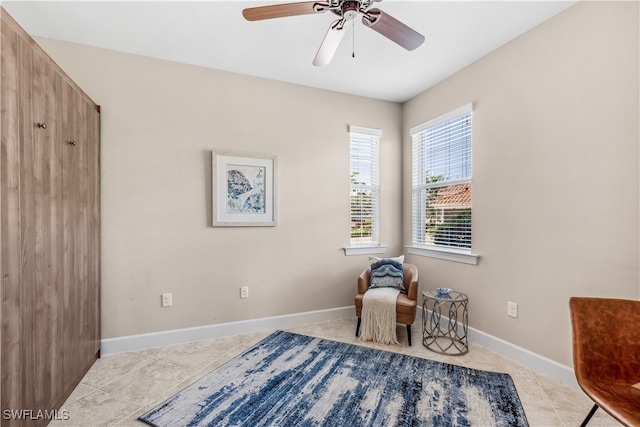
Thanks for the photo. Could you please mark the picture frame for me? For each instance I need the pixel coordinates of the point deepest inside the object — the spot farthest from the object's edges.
(244, 189)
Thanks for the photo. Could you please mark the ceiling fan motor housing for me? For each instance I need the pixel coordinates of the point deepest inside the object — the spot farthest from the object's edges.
(350, 9)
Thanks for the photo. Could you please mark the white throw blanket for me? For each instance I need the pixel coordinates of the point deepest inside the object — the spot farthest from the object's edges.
(379, 316)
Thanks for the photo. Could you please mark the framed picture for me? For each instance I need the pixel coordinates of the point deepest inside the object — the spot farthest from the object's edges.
(244, 189)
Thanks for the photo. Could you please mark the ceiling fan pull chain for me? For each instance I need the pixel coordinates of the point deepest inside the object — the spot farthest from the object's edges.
(353, 40)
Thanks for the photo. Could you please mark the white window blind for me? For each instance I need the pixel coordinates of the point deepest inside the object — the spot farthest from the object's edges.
(364, 188)
(441, 181)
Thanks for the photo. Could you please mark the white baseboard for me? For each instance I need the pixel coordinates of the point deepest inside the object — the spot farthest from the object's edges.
(521, 355)
(525, 357)
(177, 336)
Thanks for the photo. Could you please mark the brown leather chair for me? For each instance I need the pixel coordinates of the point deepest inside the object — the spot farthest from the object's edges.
(405, 304)
(606, 355)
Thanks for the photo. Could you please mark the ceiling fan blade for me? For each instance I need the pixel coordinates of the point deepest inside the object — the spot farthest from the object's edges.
(284, 10)
(331, 41)
(392, 29)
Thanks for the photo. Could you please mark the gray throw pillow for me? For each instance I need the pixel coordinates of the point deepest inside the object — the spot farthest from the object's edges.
(387, 273)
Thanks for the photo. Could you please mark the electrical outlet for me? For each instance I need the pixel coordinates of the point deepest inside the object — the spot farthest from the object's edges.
(244, 292)
(167, 300)
(512, 309)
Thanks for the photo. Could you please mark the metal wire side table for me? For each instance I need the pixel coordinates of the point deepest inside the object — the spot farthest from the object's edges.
(445, 322)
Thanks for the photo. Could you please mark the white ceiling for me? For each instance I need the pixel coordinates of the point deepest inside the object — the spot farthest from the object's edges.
(214, 34)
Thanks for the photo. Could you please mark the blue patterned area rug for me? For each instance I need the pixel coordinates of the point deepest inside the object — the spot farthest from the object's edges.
(295, 380)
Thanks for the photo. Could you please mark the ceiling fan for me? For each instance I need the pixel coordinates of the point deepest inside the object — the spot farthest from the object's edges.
(373, 18)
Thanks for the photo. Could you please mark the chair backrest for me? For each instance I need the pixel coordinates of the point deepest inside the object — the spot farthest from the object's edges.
(606, 338)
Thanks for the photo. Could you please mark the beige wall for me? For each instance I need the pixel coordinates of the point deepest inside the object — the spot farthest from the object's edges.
(556, 183)
(160, 121)
(555, 174)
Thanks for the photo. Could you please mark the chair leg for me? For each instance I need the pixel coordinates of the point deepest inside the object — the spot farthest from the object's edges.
(589, 415)
(358, 326)
(409, 334)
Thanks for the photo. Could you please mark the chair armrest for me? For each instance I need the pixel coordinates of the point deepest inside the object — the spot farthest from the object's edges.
(363, 281)
(412, 291)
(411, 281)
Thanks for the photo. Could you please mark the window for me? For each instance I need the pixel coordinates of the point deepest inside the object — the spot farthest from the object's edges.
(364, 188)
(441, 184)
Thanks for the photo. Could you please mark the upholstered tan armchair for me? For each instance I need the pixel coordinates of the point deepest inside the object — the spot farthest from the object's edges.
(405, 304)
(606, 355)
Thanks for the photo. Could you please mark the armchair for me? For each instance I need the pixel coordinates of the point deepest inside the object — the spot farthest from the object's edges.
(606, 355)
(405, 304)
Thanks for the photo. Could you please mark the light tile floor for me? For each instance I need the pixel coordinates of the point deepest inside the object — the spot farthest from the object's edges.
(121, 387)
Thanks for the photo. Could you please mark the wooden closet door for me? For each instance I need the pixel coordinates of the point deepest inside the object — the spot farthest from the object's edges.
(80, 232)
(41, 219)
(11, 363)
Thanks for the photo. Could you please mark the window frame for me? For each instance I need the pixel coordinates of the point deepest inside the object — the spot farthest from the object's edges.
(373, 246)
(419, 185)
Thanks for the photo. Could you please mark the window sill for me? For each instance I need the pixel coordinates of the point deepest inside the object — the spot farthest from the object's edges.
(364, 250)
(446, 254)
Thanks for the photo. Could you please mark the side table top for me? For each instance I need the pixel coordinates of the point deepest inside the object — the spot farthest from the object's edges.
(452, 296)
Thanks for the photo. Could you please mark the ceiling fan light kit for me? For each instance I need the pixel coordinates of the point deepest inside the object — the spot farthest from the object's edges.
(373, 18)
